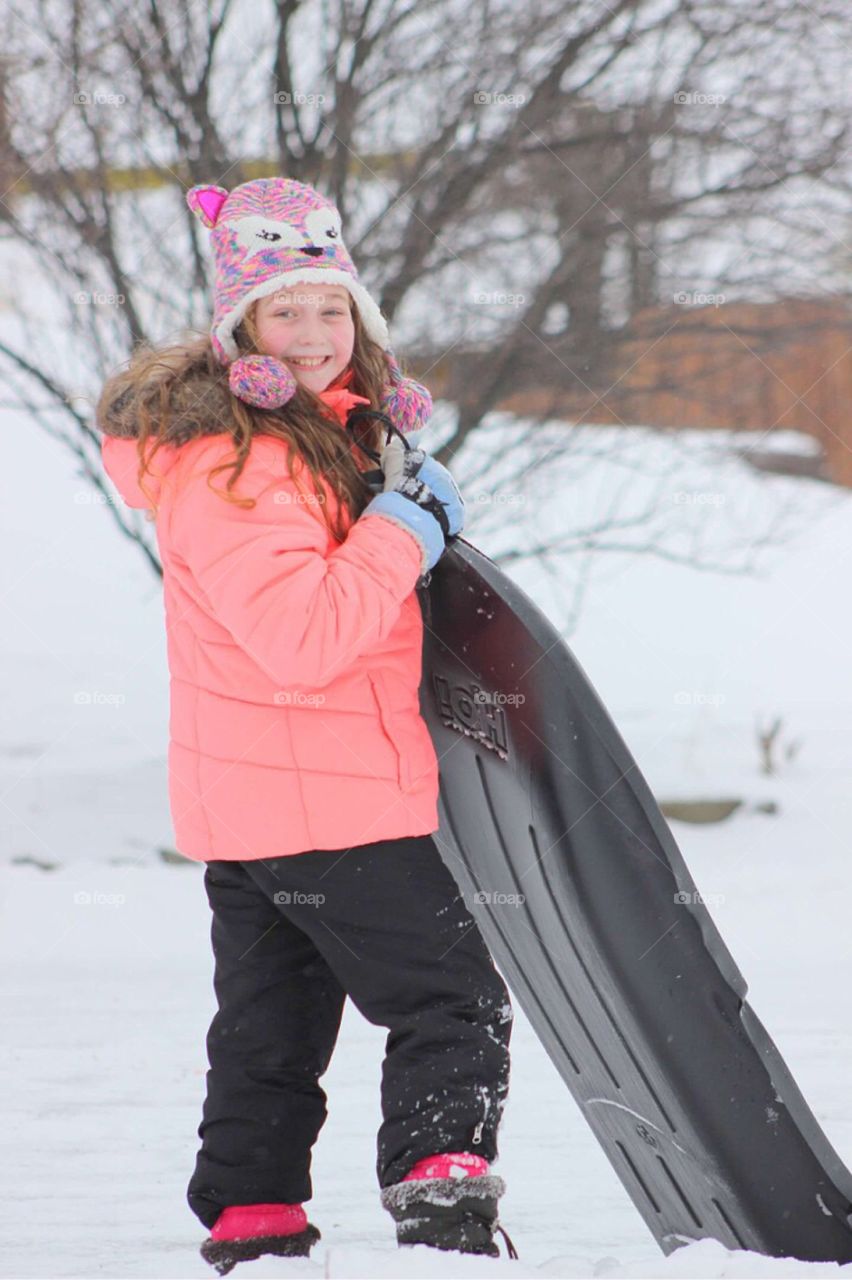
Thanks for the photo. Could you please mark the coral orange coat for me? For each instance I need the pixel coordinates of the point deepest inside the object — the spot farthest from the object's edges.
(294, 660)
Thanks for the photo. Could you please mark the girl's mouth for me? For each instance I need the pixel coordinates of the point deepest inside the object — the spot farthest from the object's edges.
(306, 362)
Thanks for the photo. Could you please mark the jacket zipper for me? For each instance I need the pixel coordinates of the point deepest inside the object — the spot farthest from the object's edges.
(477, 1131)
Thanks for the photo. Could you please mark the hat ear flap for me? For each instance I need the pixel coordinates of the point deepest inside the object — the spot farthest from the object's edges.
(206, 202)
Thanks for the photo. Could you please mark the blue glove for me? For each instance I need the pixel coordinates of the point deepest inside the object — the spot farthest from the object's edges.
(421, 495)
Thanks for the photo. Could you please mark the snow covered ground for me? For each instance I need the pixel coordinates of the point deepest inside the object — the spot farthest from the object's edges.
(105, 961)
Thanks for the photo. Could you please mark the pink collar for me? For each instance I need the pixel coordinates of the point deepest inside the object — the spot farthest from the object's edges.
(338, 399)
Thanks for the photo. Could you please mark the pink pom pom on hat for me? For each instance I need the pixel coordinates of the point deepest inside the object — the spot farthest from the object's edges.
(262, 381)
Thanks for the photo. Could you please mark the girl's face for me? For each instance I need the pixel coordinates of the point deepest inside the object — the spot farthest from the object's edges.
(310, 328)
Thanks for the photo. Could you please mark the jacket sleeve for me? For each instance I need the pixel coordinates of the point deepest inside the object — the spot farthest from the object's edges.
(303, 613)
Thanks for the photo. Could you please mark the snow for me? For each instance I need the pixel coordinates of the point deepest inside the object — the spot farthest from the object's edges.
(105, 960)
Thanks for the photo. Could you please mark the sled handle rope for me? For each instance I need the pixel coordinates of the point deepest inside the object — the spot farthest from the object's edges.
(393, 429)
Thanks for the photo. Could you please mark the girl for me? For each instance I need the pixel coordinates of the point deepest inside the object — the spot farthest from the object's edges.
(300, 769)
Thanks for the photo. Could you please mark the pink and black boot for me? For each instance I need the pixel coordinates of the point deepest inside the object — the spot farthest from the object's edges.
(243, 1232)
(448, 1201)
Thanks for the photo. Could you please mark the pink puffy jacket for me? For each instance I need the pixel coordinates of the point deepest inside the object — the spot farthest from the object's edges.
(294, 660)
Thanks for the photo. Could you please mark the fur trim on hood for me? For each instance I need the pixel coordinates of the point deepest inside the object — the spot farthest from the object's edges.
(195, 398)
(195, 395)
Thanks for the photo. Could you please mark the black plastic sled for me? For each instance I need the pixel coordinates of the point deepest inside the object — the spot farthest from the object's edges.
(587, 906)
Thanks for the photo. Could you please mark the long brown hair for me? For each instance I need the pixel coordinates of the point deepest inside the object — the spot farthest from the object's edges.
(144, 389)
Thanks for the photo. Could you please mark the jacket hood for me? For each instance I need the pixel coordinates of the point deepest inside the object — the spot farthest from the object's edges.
(195, 394)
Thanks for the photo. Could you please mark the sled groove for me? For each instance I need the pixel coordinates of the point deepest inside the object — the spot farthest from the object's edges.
(637, 1175)
(720, 1209)
(544, 952)
(477, 888)
(684, 1198)
(593, 986)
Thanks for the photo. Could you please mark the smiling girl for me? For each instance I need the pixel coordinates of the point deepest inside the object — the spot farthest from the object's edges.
(301, 772)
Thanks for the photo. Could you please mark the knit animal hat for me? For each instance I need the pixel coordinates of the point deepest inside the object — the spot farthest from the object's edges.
(267, 235)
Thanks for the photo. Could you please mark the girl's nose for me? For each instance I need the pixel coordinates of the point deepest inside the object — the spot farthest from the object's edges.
(311, 321)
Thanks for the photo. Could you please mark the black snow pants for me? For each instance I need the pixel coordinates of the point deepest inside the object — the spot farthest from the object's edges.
(385, 924)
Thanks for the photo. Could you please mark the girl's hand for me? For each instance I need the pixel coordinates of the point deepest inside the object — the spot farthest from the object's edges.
(421, 495)
(415, 474)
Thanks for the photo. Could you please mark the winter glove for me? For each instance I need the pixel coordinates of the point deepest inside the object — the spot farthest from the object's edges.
(420, 494)
(411, 470)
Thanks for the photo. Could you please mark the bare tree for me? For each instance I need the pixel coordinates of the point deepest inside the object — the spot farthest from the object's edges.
(518, 184)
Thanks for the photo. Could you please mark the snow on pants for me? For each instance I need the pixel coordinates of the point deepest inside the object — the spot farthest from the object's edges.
(385, 924)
